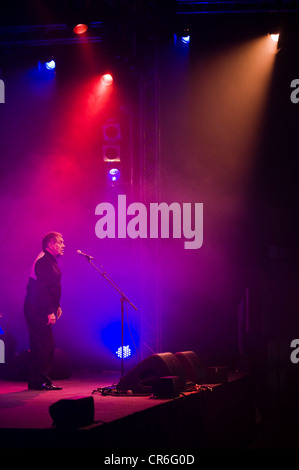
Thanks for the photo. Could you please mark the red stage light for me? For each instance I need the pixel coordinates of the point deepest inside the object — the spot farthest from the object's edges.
(80, 28)
(107, 79)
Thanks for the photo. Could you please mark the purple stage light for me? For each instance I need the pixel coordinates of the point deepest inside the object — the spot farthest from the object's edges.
(114, 174)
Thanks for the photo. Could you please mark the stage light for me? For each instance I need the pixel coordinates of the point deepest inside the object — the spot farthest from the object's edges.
(123, 352)
(111, 337)
(182, 37)
(274, 37)
(273, 41)
(79, 16)
(50, 65)
(107, 79)
(80, 28)
(46, 69)
(114, 174)
(185, 39)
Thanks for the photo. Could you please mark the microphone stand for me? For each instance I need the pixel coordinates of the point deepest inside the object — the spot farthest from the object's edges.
(123, 299)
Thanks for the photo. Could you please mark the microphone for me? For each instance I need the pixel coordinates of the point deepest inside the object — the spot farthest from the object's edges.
(79, 252)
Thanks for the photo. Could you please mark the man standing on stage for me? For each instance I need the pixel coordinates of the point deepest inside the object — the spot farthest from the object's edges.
(42, 310)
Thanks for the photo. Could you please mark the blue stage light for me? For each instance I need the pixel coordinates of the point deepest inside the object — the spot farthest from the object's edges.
(111, 337)
(46, 70)
(185, 39)
(114, 174)
(123, 352)
(50, 65)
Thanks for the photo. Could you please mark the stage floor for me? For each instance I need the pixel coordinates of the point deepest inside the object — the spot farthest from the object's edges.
(29, 409)
(213, 418)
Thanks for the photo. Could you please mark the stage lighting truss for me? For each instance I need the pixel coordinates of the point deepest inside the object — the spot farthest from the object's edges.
(48, 35)
(192, 7)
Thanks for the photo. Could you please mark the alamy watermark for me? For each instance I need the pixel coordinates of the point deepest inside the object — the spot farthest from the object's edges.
(159, 220)
(2, 92)
(295, 93)
(2, 352)
(295, 342)
(295, 353)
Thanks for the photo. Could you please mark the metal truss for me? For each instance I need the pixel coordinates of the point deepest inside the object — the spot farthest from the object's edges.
(232, 6)
(47, 35)
(137, 12)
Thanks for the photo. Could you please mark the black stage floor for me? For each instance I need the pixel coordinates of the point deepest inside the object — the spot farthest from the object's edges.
(219, 416)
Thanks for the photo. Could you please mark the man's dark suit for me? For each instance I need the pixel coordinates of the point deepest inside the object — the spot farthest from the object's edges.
(42, 299)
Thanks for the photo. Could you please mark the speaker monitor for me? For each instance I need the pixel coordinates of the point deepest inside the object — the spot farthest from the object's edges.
(167, 387)
(73, 412)
(143, 376)
(194, 369)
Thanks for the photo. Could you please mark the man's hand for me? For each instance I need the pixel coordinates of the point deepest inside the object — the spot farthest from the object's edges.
(51, 319)
(58, 313)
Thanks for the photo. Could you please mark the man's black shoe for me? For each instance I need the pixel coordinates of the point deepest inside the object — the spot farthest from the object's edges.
(51, 387)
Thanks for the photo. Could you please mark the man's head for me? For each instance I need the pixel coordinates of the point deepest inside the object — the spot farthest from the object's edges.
(53, 242)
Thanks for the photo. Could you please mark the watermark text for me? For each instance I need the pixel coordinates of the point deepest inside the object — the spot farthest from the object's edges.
(2, 352)
(2, 92)
(295, 353)
(295, 93)
(160, 220)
